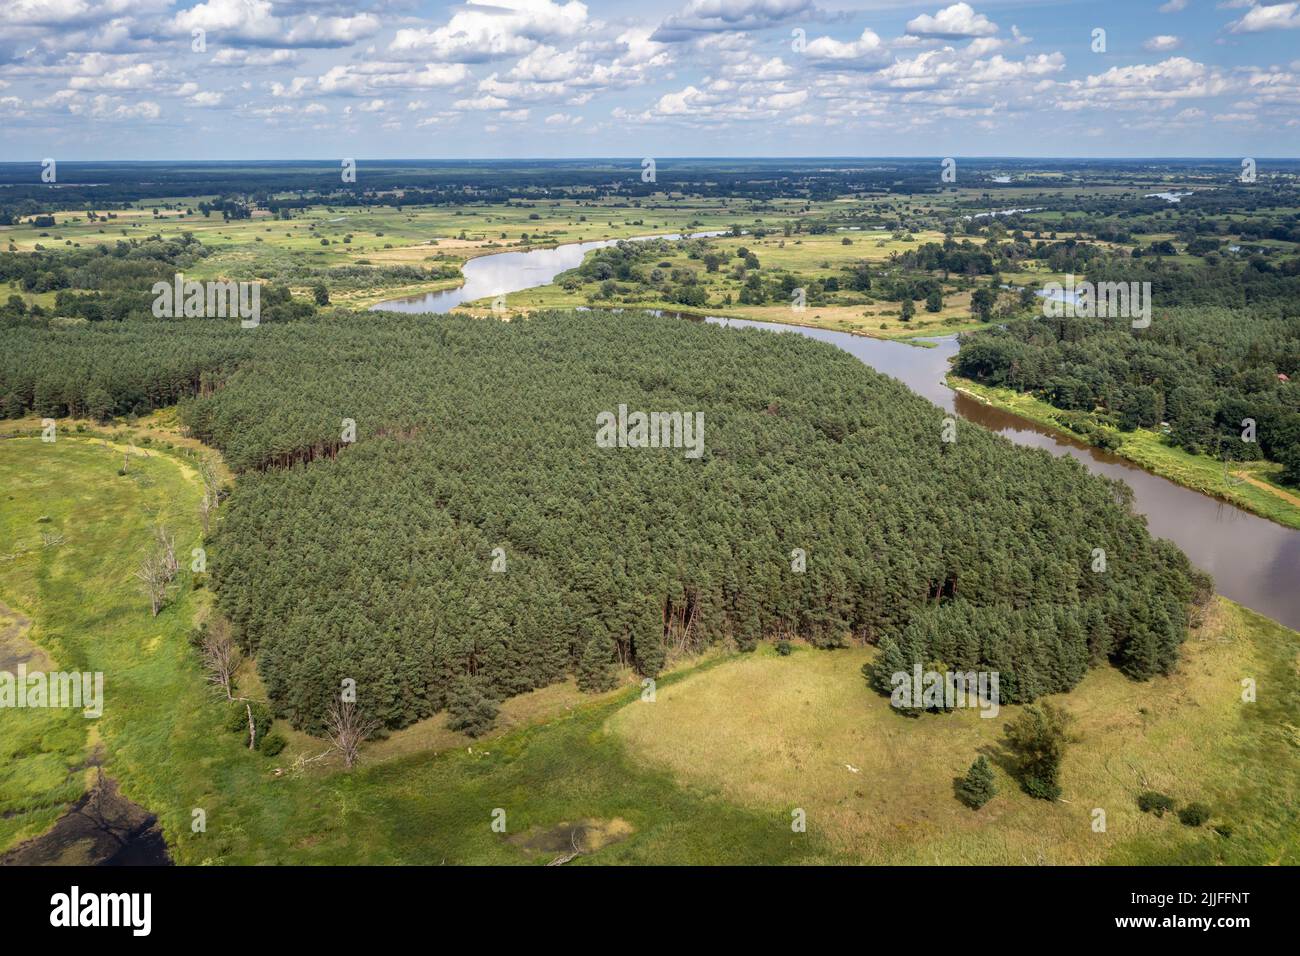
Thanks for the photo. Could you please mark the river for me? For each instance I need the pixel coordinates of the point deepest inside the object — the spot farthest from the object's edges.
(1254, 561)
(505, 272)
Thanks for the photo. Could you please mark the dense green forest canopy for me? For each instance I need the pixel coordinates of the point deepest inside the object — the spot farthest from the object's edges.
(1223, 348)
(374, 560)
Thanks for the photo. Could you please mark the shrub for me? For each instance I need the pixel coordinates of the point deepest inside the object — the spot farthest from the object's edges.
(1155, 802)
(783, 648)
(237, 719)
(273, 744)
(1194, 815)
(977, 787)
(1038, 738)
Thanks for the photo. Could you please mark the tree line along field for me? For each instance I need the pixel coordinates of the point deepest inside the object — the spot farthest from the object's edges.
(361, 255)
(724, 796)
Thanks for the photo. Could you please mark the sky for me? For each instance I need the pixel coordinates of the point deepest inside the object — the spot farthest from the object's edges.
(383, 79)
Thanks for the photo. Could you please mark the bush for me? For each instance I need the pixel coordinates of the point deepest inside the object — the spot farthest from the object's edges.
(273, 744)
(1038, 738)
(1155, 802)
(783, 648)
(977, 787)
(237, 719)
(1194, 815)
(469, 710)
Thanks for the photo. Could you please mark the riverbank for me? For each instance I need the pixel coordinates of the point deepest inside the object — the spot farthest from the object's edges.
(1247, 485)
(526, 282)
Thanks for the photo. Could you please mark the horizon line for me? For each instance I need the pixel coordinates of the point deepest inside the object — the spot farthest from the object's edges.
(637, 159)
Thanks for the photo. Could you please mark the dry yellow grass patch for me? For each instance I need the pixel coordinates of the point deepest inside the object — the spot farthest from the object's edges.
(805, 732)
(432, 735)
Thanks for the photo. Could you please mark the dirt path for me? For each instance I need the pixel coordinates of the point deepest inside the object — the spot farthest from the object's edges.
(1265, 486)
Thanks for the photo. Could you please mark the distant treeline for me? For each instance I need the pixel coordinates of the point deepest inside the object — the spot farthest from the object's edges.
(290, 184)
(825, 506)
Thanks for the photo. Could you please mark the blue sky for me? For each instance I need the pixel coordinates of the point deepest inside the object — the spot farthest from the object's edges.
(283, 79)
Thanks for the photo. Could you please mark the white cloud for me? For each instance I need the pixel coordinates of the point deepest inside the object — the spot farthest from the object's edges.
(482, 103)
(1162, 44)
(1172, 79)
(784, 101)
(1277, 16)
(103, 106)
(866, 51)
(137, 77)
(234, 56)
(73, 13)
(253, 22)
(951, 23)
(364, 79)
(701, 17)
(481, 31)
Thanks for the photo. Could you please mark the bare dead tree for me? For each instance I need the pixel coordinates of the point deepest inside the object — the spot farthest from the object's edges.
(206, 507)
(347, 728)
(152, 575)
(166, 544)
(220, 657)
(211, 491)
(575, 851)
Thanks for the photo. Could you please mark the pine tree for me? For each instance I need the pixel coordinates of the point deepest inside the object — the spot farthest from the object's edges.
(469, 710)
(596, 666)
(1038, 738)
(977, 787)
(648, 648)
(890, 660)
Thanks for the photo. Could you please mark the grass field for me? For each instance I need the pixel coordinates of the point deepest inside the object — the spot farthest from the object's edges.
(1248, 485)
(776, 733)
(804, 731)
